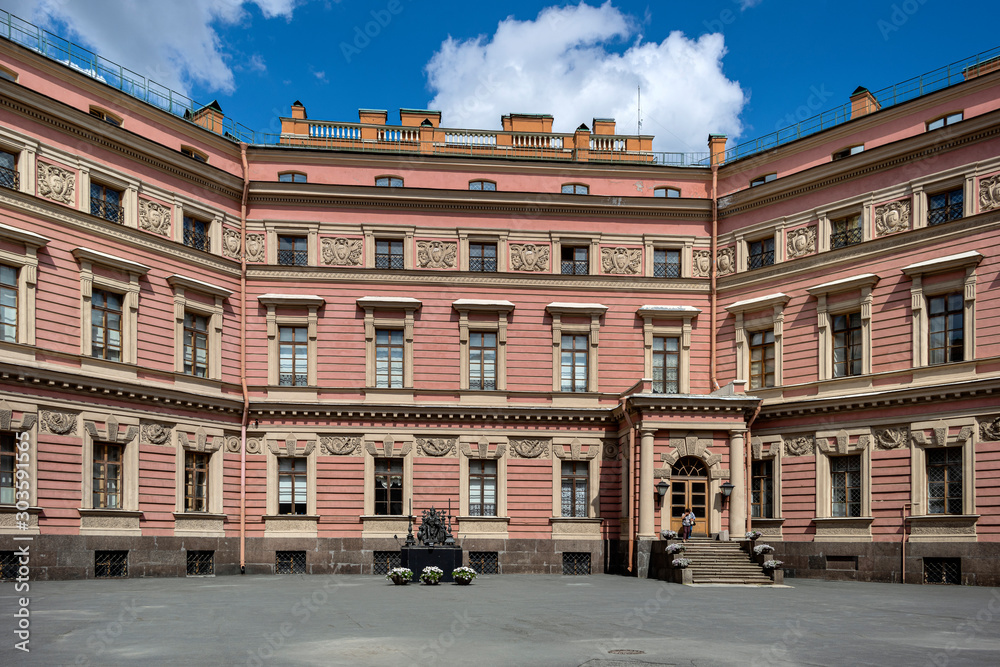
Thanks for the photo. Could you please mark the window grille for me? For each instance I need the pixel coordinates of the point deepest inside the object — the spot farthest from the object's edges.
(483, 257)
(389, 255)
(666, 264)
(293, 251)
(9, 177)
(575, 261)
(383, 561)
(110, 564)
(761, 253)
(945, 206)
(200, 563)
(944, 481)
(943, 571)
(576, 563)
(289, 562)
(196, 234)
(846, 238)
(9, 565)
(485, 562)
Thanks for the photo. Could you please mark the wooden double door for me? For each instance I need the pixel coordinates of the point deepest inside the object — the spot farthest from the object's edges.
(689, 489)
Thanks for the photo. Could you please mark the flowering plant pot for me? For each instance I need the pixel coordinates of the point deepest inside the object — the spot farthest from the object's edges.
(675, 548)
(681, 562)
(772, 564)
(400, 575)
(463, 576)
(763, 549)
(754, 535)
(431, 575)
(668, 534)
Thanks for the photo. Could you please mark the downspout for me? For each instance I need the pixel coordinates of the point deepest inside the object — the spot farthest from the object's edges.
(714, 273)
(902, 540)
(243, 360)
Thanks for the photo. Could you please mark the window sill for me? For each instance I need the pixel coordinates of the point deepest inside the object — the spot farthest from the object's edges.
(943, 527)
(576, 528)
(843, 529)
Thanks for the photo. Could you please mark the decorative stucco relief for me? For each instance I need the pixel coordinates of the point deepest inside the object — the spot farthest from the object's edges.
(436, 446)
(989, 428)
(342, 252)
(610, 449)
(529, 257)
(436, 254)
(154, 217)
(7, 422)
(575, 451)
(529, 448)
(112, 431)
(155, 434)
(255, 247)
(702, 263)
(388, 448)
(892, 438)
(799, 446)
(893, 217)
(801, 242)
(60, 423)
(341, 446)
(56, 184)
(231, 243)
(727, 261)
(622, 261)
(989, 193)
(200, 442)
(233, 444)
(255, 446)
(481, 450)
(290, 446)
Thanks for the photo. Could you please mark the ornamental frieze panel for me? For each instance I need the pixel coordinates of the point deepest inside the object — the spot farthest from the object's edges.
(621, 260)
(200, 442)
(801, 242)
(255, 446)
(529, 448)
(342, 251)
(436, 446)
(761, 449)
(892, 217)
(802, 445)
(58, 423)
(610, 449)
(727, 261)
(529, 257)
(231, 243)
(989, 428)
(56, 183)
(255, 247)
(154, 218)
(892, 437)
(989, 193)
(702, 263)
(437, 254)
(291, 446)
(341, 445)
(841, 443)
(938, 434)
(8, 423)
(388, 448)
(574, 451)
(481, 450)
(112, 431)
(233, 444)
(692, 445)
(155, 434)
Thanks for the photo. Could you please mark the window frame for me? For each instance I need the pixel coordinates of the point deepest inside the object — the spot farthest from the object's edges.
(848, 151)
(944, 120)
(834, 444)
(666, 354)
(482, 316)
(205, 483)
(576, 311)
(296, 471)
(294, 177)
(574, 477)
(685, 315)
(574, 249)
(102, 114)
(300, 256)
(483, 475)
(483, 183)
(583, 341)
(950, 433)
(851, 234)
(854, 294)
(205, 300)
(754, 315)
(125, 434)
(297, 346)
(273, 303)
(289, 446)
(391, 181)
(100, 453)
(764, 346)
(948, 484)
(102, 296)
(394, 380)
(192, 237)
(483, 245)
(130, 290)
(388, 257)
(853, 338)
(667, 264)
(212, 449)
(948, 350)
(960, 189)
(762, 262)
(754, 476)
(194, 153)
(575, 189)
(106, 211)
(393, 313)
(585, 453)
(668, 192)
(387, 446)
(763, 178)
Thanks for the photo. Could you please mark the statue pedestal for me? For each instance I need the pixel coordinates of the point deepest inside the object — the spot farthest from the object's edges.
(417, 558)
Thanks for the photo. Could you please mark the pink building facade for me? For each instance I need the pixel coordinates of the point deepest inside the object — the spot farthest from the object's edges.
(263, 356)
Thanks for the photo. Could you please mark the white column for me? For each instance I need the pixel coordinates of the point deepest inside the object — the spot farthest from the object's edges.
(737, 477)
(647, 516)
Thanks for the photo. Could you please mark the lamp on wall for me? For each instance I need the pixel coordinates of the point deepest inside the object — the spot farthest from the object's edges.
(661, 489)
(727, 490)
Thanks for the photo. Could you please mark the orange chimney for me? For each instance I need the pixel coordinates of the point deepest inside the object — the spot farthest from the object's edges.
(209, 117)
(717, 148)
(863, 103)
(298, 111)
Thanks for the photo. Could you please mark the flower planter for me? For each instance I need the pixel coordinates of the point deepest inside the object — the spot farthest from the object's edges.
(400, 580)
(463, 582)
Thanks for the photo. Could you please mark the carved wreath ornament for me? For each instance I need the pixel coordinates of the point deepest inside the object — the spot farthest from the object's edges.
(435, 446)
(623, 261)
(55, 183)
(436, 254)
(342, 252)
(529, 257)
(60, 423)
(530, 448)
(989, 193)
(156, 434)
(892, 218)
(340, 446)
(154, 217)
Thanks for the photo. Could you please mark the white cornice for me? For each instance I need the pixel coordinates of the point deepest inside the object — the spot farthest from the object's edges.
(110, 261)
(389, 303)
(483, 305)
(563, 308)
(177, 280)
(759, 303)
(959, 261)
(22, 236)
(845, 284)
(668, 311)
(292, 300)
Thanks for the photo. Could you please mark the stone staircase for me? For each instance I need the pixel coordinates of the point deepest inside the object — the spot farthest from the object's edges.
(715, 562)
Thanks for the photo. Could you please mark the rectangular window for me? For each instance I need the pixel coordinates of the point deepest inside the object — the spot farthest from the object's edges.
(291, 177)
(7, 458)
(483, 257)
(762, 489)
(945, 206)
(847, 348)
(106, 203)
(666, 263)
(195, 345)
(200, 563)
(944, 481)
(846, 231)
(389, 351)
(574, 488)
(106, 325)
(575, 261)
(292, 497)
(945, 120)
(293, 351)
(946, 326)
(110, 564)
(574, 362)
(196, 234)
(8, 304)
(107, 475)
(389, 255)
(483, 185)
(289, 562)
(195, 482)
(666, 364)
(845, 481)
(575, 189)
(389, 487)
(389, 182)
(848, 152)
(482, 487)
(483, 361)
(293, 251)
(761, 253)
(762, 359)
(9, 178)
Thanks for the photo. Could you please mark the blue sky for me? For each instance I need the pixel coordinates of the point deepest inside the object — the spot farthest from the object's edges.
(740, 67)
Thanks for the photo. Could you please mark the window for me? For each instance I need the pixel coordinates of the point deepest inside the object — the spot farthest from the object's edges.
(106, 325)
(848, 152)
(575, 189)
(845, 482)
(107, 471)
(761, 253)
(195, 482)
(574, 362)
(108, 118)
(196, 234)
(762, 489)
(8, 304)
(293, 353)
(293, 251)
(672, 193)
(389, 255)
(7, 468)
(483, 185)
(847, 345)
(389, 487)
(483, 361)
(483, 257)
(9, 178)
(762, 359)
(389, 182)
(110, 564)
(666, 364)
(291, 177)
(575, 497)
(575, 260)
(196, 345)
(200, 563)
(289, 562)
(106, 203)
(666, 263)
(194, 154)
(846, 231)
(946, 328)
(945, 206)
(292, 486)
(389, 356)
(761, 180)
(8, 74)
(944, 120)
(944, 481)
(482, 487)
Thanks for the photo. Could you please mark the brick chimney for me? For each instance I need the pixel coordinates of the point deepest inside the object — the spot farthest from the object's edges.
(210, 117)
(863, 103)
(717, 148)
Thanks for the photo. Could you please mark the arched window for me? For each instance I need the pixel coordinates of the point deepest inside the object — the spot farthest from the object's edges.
(666, 192)
(106, 116)
(389, 182)
(761, 180)
(483, 185)
(292, 177)
(575, 189)
(689, 466)
(194, 154)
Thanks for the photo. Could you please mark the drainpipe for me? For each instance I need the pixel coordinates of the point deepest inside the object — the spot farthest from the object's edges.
(714, 272)
(902, 541)
(243, 360)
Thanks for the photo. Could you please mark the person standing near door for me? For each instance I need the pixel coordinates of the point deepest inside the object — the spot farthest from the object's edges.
(687, 524)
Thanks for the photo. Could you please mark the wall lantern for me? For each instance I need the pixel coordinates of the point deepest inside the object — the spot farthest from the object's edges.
(661, 489)
(727, 490)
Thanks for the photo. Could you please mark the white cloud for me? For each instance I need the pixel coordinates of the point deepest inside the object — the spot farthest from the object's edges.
(173, 42)
(560, 63)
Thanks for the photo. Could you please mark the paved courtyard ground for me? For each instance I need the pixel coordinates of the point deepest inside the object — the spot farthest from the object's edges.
(500, 620)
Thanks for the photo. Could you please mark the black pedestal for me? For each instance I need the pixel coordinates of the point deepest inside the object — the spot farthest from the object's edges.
(417, 558)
